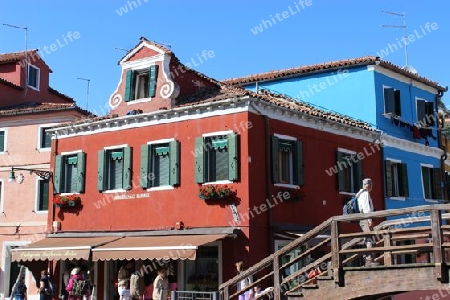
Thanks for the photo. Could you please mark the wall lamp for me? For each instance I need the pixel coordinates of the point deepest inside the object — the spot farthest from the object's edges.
(42, 174)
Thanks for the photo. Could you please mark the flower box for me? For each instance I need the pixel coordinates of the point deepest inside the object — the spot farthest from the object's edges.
(66, 201)
(213, 191)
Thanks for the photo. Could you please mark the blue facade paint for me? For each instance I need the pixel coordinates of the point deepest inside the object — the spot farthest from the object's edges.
(408, 95)
(415, 185)
(359, 93)
(347, 91)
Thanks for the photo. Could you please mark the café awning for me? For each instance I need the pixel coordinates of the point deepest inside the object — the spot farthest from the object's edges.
(154, 247)
(59, 248)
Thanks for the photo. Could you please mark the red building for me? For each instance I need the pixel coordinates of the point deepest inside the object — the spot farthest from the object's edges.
(143, 174)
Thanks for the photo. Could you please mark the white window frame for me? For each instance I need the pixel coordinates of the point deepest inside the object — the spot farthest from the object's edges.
(5, 150)
(352, 173)
(291, 167)
(430, 166)
(162, 187)
(396, 161)
(67, 153)
(122, 146)
(38, 77)
(38, 192)
(40, 136)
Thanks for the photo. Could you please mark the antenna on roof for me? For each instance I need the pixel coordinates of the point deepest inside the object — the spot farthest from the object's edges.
(122, 49)
(87, 94)
(26, 52)
(404, 39)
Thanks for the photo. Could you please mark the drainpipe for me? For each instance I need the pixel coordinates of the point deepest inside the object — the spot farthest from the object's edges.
(52, 156)
(440, 126)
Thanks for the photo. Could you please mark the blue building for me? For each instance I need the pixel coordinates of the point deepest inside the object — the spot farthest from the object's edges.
(400, 103)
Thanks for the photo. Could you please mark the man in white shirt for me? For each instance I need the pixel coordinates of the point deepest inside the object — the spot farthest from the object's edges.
(365, 205)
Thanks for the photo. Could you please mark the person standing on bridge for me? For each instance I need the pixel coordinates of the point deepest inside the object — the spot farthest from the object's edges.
(365, 205)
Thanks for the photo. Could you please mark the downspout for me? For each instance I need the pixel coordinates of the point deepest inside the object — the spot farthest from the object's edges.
(440, 126)
(52, 156)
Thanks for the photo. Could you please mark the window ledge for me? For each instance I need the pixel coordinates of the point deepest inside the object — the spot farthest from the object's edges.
(68, 194)
(397, 198)
(114, 191)
(33, 88)
(161, 188)
(287, 185)
(41, 212)
(43, 149)
(140, 100)
(218, 182)
(347, 193)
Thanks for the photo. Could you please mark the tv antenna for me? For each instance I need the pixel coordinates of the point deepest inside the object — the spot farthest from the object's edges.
(122, 49)
(87, 94)
(26, 52)
(405, 34)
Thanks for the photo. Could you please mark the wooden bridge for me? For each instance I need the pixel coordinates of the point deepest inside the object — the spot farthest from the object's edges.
(412, 247)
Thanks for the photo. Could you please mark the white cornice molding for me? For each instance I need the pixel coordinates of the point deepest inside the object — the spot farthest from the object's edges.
(136, 50)
(40, 121)
(413, 147)
(402, 78)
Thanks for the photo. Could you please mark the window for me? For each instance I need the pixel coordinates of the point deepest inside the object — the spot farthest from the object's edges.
(45, 138)
(42, 204)
(69, 175)
(114, 169)
(216, 158)
(392, 101)
(287, 161)
(141, 83)
(33, 76)
(396, 179)
(431, 179)
(350, 172)
(2, 141)
(160, 164)
(425, 113)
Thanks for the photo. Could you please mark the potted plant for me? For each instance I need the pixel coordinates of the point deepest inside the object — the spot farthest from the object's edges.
(213, 191)
(66, 201)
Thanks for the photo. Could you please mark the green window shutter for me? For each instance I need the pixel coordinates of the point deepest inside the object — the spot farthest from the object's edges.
(420, 110)
(389, 100)
(43, 195)
(126, 183)
(404, 179)
(199, 160)
(429, 110)
(341, 171)
(233, 157)
(101, 171)
(58, 175)
(358, 178)
(397, 103)
(2, 141)
(426, 182)
(153, 80)
(144, 167)
(275, 167)
(437, 179)
(81, 168)
(298, 162)
(389, 179)
(174, 154)
(129, 85)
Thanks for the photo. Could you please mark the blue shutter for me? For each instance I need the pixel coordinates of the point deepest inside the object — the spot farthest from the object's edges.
(101, 170)
(174, 154)
(199, 161)
(81, 168)
(129, 85)
(144, 167)
(389, 100)
(233, 157)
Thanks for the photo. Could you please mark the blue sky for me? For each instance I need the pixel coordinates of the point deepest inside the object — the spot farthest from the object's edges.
(322, 31)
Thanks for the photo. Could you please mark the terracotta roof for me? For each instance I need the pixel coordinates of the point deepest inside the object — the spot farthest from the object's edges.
(228, 92)
(10, 84)
(53, 91)
(323, 67)
(13, 57)
(36, 107)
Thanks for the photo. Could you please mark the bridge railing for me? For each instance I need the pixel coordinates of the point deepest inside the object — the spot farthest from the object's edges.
(411, 236)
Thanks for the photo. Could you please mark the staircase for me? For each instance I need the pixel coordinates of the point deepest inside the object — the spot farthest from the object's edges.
(413, 252)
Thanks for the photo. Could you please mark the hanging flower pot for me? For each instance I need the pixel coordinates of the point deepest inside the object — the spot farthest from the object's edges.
(66, 201)
(213, 191)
